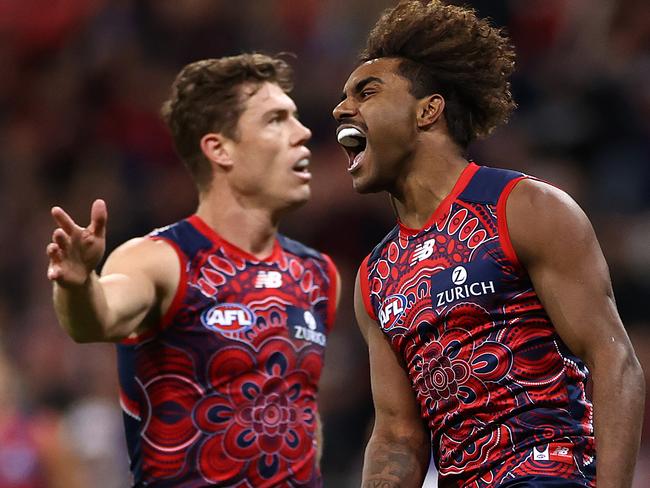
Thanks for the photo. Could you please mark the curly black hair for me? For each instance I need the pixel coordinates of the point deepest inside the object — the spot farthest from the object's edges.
(449, 50)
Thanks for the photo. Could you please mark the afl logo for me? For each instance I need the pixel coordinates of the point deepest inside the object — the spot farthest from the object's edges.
(459, 275)
(391, 310)
(228, 318)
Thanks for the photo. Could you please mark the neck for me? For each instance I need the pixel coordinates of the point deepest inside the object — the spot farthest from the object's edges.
(251, 228)
(431, 176)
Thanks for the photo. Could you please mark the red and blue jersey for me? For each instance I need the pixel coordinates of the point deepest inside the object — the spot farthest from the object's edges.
(22, 463)
(224, 390)
(502, 394)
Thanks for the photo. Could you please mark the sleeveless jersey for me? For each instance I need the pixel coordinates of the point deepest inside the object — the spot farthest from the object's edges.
(502, 394)
(224, 391)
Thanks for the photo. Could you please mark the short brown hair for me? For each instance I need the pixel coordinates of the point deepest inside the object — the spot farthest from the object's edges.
(449, 50)
(207, 97)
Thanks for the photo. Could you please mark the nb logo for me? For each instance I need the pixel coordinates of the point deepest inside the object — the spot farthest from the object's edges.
(459, 275)
(423, 251)
(268, 279)
(561, 451)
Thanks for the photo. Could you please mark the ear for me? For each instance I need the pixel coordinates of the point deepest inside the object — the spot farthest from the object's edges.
(214, 148)
(430, 110)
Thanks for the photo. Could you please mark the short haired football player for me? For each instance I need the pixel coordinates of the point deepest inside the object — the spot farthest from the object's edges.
(488, 305)
(221, 322)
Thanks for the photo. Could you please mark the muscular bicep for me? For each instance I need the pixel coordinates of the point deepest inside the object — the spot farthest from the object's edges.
(138, 279)
(396, 410)
(557, 245)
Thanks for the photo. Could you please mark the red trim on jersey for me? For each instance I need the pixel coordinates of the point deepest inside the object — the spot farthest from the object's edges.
(177, 301)
(502, 222)
(333, 289)
(211, 234)
(459, 186)
(365, 288)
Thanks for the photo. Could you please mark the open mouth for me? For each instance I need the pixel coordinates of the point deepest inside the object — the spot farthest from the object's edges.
(354, 142)
(301, 166)
(301, 169)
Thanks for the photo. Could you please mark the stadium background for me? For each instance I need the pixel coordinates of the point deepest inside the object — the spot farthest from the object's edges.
(80, 88)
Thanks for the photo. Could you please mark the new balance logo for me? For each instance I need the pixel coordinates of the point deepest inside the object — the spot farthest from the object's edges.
(268, 279)
(557, 452)
(423, 251)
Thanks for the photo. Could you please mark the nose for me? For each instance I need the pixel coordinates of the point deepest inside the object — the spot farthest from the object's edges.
(302, 134)
(344, 109)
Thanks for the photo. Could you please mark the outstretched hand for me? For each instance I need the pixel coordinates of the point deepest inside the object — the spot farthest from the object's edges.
(76, 251)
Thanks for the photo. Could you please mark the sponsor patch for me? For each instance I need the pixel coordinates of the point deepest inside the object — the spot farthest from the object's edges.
(304, 326)
(561, 452)
(461, 289)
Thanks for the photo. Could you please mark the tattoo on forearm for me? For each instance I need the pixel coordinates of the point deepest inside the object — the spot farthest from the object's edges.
(380, 484)
(389, 466)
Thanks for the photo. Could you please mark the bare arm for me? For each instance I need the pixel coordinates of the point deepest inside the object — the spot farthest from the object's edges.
(557, 245)
(397, 454)
(139, 279)
(319, 421)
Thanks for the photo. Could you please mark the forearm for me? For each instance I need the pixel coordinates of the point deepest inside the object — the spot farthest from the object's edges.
(82, 310)
(392, 463)
(619, 394)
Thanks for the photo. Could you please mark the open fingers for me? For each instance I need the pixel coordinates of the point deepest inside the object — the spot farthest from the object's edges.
(63, 220)
(54, 252)
(55, 255)
(98, 217)
(61, 238)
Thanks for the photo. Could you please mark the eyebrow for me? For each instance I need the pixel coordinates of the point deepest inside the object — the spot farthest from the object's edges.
(361, 85)
(280, 111)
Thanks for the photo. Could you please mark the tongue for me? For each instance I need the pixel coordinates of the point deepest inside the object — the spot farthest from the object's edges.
(356, 161)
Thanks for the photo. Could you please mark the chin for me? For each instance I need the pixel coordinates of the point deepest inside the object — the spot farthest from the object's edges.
(366, 185)
(298, 200)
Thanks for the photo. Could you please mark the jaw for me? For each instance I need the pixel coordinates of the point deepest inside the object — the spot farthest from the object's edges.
(363, 178)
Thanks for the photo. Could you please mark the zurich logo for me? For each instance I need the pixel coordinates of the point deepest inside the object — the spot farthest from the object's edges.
(310, 320)
(228, 318)
(459, 275)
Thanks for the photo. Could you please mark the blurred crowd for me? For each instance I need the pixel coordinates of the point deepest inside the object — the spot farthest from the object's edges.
(80, 89)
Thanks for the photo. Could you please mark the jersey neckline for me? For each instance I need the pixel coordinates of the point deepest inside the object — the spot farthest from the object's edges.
(465, 176)
(199, 224)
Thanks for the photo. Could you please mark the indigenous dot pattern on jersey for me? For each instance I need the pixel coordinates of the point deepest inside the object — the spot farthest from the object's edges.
(503, 395)
(224, 392)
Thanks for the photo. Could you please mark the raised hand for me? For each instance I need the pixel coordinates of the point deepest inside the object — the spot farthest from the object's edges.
(76, 251)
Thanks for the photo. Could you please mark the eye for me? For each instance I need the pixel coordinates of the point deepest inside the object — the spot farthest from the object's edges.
(366, 93)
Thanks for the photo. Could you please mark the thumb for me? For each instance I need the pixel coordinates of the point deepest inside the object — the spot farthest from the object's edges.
(98, 218)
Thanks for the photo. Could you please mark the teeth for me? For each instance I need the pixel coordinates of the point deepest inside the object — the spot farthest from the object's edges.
(302, 164)
(350, 137)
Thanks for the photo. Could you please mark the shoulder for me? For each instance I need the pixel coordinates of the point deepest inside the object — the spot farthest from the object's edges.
(542, 217)
(301, 250)
(543, 202)
(155, 258)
